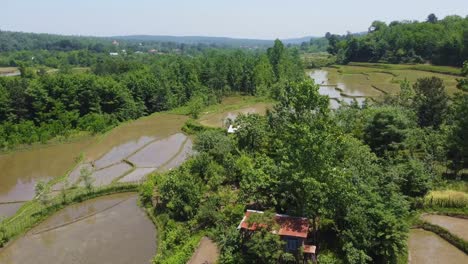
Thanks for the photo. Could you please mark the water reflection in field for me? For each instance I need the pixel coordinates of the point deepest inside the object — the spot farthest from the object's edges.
(111, 229)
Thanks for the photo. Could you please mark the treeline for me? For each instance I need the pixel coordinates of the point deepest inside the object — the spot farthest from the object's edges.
(39, 45)
(357, 173)
(441, 42)
(39, 106)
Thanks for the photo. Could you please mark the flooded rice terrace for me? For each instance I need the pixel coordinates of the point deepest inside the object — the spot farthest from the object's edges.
(344, 90)
(428, 248)
(456, 226)
(110, 229)
(109, 158)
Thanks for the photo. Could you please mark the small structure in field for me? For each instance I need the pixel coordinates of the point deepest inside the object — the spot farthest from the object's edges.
(113, 53)
(293, 230)
(232, 129)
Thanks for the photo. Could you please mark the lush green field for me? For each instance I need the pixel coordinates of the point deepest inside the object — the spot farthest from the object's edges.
(419, 67)
(387, 77)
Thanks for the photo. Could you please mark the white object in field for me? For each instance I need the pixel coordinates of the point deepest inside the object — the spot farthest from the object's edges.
(232, 129)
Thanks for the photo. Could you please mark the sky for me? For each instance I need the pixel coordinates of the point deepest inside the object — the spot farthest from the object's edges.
(262, 19)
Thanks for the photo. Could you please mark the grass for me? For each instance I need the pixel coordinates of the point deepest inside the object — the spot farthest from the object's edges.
(419, 67)
(446, 199)
(228, 104)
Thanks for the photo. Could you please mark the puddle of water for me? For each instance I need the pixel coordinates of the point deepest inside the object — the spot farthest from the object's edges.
(219, 119)
(159, 152)
(7, 210)
(426, 248)
(456, 226)
(114, 230)
(107, 175)
(137, 175)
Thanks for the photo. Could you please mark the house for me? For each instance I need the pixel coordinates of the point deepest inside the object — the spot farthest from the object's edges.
(293, 230)
(113, 53)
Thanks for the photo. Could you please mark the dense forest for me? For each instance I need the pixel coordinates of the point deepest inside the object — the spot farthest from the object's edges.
(406, 42)
(38, 106)
(358, 174)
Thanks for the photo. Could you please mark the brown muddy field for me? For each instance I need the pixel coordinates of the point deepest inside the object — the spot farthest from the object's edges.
(20, 170)
(219, 119)
(428, 248)
(456, 226)
(111, 229)
(157, 126)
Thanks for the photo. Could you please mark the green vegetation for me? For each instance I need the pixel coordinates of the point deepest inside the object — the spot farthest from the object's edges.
(446, 199)
(360, 172)
(418, 67)
(317, 60)
(406, 42)
(38, 108)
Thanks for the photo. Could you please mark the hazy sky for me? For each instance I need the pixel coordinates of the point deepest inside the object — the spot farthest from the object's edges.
(235, 18)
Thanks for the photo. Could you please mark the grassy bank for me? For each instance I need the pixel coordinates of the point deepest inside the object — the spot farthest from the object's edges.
(418, 67)
(34, 212)
(445, 234)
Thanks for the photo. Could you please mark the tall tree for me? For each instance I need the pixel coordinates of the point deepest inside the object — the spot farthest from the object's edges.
(431, 101)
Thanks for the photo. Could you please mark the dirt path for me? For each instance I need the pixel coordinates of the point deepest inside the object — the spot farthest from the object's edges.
(206, 253)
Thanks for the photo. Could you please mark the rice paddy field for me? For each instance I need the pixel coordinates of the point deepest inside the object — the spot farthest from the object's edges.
(374, 79)
(446, 199)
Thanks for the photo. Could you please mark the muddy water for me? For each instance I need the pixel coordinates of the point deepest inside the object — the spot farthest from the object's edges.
(133, 135)
(19, 171)
(158, 152)
(7, 210)
(456, 226)
(137, 175)
(107, 175)
(427, 248)
(219, 119)
(344, 89)
(110, 229)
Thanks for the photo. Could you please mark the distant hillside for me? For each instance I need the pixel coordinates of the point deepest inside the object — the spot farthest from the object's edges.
(10, 41)
(212, 40)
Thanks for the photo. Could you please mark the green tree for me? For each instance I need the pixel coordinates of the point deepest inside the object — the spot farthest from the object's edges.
(42, 192)
(86, 178)
(458, 136)
(386, 131)
(431, 101)
(180, 194)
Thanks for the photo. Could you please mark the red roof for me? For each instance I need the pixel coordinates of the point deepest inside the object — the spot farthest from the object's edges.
(288, 225)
